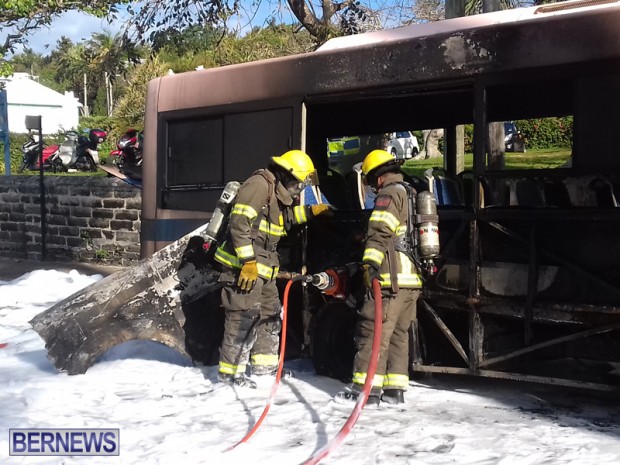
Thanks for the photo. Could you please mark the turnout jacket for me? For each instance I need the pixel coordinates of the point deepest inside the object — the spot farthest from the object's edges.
(261, 215)
(385, 237)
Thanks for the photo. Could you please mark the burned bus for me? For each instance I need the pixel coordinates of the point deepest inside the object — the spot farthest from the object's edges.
(528, 281)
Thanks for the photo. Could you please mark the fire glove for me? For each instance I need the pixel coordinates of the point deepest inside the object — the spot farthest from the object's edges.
(248, 276)
(321, 209)
(370, 272)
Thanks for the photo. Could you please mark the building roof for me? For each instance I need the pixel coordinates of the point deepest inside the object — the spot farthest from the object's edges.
(21, 89)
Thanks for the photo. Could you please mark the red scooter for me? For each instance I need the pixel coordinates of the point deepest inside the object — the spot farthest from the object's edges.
(128, 149)
(128, 154)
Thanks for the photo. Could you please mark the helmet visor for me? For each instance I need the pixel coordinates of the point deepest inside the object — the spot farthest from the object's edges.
(312, 179)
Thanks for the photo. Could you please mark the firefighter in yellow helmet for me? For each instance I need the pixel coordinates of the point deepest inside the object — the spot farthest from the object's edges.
(261, 215)
(386, 257)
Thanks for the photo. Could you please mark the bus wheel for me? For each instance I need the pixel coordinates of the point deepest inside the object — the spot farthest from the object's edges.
(333, 345)
(204, 328)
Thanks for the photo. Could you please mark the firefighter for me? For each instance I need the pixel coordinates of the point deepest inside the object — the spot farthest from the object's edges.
(262, 213)
(388, 256)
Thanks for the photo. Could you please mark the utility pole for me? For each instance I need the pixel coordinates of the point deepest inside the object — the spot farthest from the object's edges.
(490, 5)
(86, 111)
(108, 92)
(455, 8)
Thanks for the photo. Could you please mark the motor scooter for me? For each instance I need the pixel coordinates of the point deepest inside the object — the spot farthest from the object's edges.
(30, 151)
(77, 152)
(128, 149)
(128, 154)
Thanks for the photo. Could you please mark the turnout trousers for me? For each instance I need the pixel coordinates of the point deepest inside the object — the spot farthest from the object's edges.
(252, 326)
(399, 310)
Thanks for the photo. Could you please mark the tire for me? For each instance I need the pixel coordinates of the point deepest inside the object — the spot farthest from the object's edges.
(414, 152)
(394, 153)
(204, 328)
(333, 346)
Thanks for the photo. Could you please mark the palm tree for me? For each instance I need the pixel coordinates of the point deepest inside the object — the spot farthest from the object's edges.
(109, 56)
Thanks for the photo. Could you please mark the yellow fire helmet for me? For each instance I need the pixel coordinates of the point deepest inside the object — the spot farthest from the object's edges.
(375, 159)
(299, 164)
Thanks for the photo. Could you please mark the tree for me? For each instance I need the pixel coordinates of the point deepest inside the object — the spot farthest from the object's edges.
(18, 18)
(71, 66)
(27, 62)
(192, 39)
(333, 18)
(108, 58)
(130, 109)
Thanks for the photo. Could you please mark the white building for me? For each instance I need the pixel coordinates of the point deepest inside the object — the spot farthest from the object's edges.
(25, 97)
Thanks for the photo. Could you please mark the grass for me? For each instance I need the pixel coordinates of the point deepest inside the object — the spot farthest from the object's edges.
(552, 157)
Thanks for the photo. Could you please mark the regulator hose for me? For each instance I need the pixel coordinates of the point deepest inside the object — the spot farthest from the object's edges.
(276, 383)
(363, 397)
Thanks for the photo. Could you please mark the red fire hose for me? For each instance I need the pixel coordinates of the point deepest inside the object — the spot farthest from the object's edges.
(276, 383)
(361, 400)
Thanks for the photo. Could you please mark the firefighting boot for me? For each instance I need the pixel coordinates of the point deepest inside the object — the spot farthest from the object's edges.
(393, 396)
(352, 392)
(270, 371)
(238, 380)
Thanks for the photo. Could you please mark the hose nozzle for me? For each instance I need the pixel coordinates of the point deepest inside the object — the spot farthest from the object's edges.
(322, 280)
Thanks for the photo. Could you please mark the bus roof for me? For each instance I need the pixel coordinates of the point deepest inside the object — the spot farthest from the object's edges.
(457, 49)
(465, 22)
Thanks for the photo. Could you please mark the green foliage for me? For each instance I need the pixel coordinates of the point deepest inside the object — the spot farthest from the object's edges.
(469, 137)
(193, 39)
(540, 133)
(15, 143)
(547, 132)
(98, 107)
(104, 122)
(271, 42)
(101, 255)
(129, 111)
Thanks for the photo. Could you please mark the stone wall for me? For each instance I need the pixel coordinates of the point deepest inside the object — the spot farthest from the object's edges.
(89, 219)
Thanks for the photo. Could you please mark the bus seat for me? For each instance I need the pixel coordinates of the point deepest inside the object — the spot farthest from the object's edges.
(498, 192)
(334, 188)
(556, 194)
(416, 182)
(579, 191)
(445, 187)
(604, 192)
(529, 193)
(361, 195)
(447, 191)
(312, 195)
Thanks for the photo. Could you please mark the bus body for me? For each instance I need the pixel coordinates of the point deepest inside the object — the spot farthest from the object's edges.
(528, 280)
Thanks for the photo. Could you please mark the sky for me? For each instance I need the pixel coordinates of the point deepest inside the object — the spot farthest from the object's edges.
(78, 26)
(74, 25)
(169, 411)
